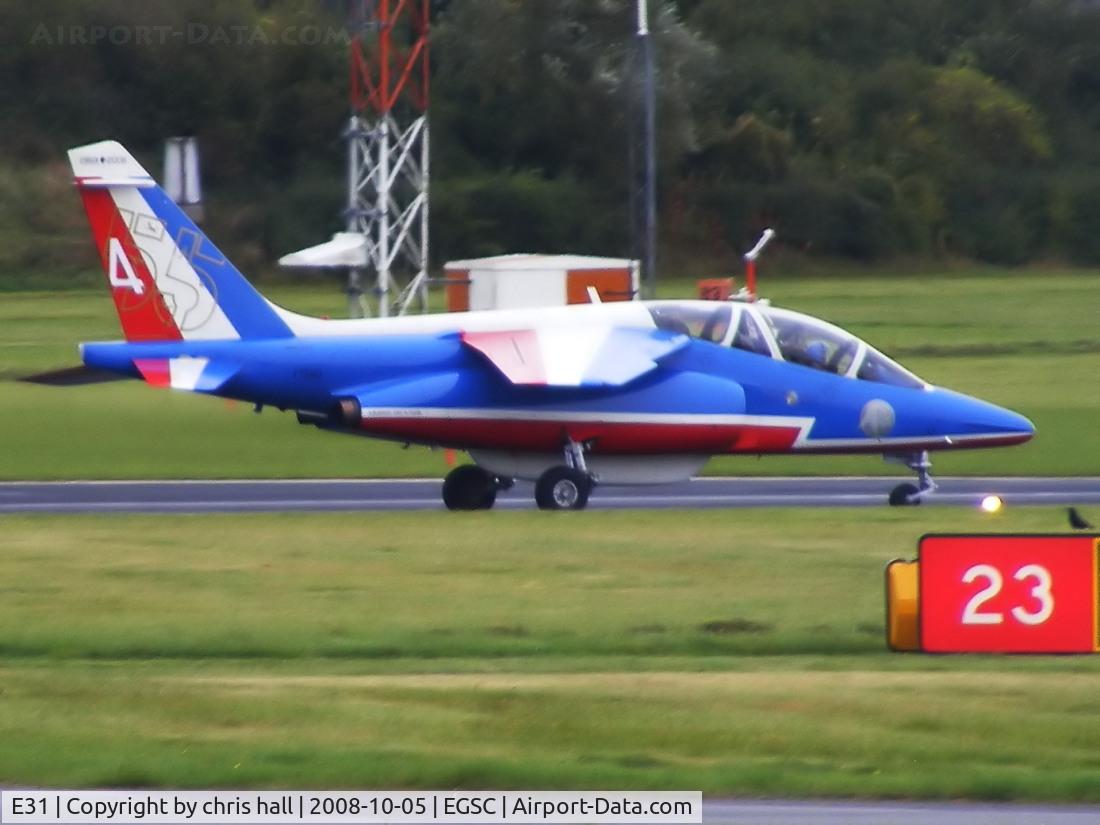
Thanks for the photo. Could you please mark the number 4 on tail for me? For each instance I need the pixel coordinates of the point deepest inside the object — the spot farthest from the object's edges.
(120, 271)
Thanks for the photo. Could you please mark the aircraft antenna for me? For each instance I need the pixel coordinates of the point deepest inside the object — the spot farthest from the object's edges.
(387, 138)
(386, 210)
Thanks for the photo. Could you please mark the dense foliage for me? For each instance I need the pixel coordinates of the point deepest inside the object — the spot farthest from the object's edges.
(858, 128)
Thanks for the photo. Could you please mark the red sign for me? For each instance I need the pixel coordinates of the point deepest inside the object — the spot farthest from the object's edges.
(1008, 594)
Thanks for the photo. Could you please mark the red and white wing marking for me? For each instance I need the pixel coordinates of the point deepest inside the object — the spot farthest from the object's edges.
(185, 373)
(574, 356)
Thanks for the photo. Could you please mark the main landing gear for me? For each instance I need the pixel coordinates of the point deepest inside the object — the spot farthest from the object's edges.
(471, 488)
(566, 486)
(562, 487)
(908, 494)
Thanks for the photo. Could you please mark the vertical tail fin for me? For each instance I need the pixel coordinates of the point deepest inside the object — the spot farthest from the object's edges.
(168, 280)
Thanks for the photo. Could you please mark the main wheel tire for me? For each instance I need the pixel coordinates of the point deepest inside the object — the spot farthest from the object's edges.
(488, 499)
(905, 495)
(562, 488)
(469, 488)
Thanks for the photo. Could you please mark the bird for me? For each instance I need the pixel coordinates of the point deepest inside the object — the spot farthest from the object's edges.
(1076, 521)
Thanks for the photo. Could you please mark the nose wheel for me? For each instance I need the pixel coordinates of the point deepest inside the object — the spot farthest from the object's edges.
(908, 494)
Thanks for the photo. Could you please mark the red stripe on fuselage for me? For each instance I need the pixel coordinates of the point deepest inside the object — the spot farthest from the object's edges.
(607, 438)
(634, 438)
(144, 317)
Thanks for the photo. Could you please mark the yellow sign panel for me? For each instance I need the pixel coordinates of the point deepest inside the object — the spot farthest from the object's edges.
(902, 605)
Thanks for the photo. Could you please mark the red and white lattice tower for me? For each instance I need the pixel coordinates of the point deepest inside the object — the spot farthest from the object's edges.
(387, 139)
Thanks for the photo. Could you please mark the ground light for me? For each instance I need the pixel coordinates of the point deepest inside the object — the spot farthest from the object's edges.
(992, 504)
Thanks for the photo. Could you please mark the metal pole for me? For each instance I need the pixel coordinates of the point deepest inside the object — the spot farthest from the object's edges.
(650, 103)
(425, 185)
(383, 170)
(356, 306)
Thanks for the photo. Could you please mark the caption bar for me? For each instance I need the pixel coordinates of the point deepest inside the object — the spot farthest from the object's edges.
(294, 807)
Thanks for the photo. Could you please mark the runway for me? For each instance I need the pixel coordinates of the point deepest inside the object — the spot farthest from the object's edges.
(203, 496)
(774, 812)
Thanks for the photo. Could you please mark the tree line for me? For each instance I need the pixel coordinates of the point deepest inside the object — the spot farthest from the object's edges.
(859, 129)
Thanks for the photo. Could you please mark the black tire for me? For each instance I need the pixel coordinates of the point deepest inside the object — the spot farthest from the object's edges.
(562, 488)
(469, 488)
(905, 495)
(488, 498)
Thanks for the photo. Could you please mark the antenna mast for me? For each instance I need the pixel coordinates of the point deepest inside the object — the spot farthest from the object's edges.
(387, 139)
(643, 174)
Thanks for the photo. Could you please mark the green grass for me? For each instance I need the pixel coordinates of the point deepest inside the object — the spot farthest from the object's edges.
(424, 586)
(602, 649)
(740, 653)
(1026, 340)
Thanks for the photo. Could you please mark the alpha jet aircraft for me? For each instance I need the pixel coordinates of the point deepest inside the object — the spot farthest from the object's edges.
(567, 397)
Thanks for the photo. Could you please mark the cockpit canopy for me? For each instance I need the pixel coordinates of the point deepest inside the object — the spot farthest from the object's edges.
(783, 335)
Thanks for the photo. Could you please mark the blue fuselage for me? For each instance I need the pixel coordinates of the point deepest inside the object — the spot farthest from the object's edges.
(704, 397)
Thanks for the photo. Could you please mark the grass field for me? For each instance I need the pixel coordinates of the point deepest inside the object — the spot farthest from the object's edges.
(625, 650)
(1026, 340)
(736, 652)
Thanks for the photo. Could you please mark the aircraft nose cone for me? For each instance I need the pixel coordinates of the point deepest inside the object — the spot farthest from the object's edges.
(1019, 423)
(1016, 428)
(965, 416)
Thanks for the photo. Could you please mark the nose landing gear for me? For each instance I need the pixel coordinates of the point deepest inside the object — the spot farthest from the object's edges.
(909, 494)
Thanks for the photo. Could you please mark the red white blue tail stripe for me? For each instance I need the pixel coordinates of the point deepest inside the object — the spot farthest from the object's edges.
(168, 280)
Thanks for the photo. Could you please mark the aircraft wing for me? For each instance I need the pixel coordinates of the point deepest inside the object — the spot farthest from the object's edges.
(574, 357)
